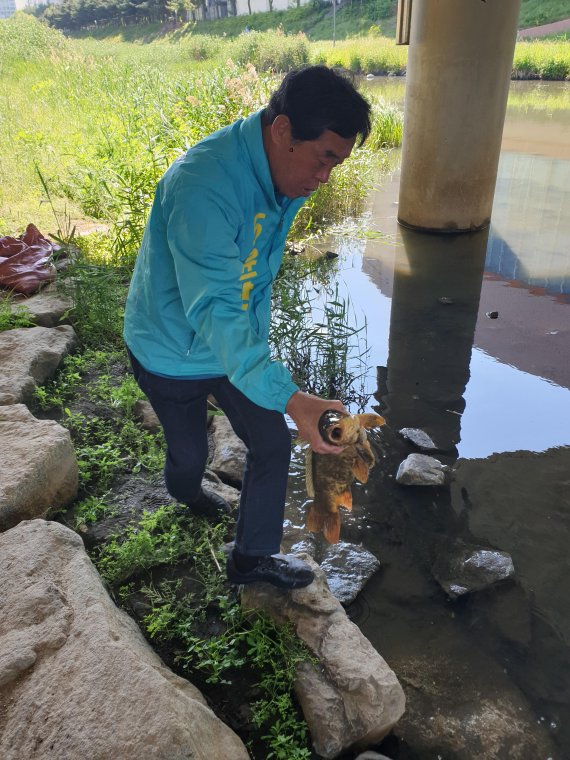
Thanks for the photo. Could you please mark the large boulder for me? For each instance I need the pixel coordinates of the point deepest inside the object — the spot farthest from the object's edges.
(352, 698)
(31, 355)
(39, 466)
(77, 678)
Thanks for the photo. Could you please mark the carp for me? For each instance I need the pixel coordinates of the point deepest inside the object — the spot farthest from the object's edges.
(330, 476)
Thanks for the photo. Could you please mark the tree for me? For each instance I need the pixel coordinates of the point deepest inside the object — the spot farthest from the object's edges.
(179, 8)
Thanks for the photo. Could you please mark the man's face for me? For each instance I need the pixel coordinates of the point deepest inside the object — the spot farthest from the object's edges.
(300, 172)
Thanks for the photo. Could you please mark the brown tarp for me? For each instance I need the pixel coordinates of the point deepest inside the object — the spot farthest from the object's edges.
(26, 262)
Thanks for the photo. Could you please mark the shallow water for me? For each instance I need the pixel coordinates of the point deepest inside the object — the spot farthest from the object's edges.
(469, 339)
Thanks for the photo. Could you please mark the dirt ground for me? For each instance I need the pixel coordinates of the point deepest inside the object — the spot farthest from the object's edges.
(558, 27)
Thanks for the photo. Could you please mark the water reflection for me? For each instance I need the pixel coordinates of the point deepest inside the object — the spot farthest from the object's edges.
(435, 300)
(517, 395)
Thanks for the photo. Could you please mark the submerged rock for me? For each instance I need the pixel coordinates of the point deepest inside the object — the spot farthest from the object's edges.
(421, 470)
(461, 569)
(77, 678)
(352, 698)
(419, 438)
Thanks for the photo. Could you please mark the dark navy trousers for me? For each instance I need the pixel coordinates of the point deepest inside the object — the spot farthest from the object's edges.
(181, 407)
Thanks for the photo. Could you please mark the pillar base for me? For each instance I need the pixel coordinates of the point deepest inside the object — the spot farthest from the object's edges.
(446, 230)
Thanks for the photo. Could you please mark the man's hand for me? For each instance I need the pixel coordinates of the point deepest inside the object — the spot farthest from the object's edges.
(305, 410)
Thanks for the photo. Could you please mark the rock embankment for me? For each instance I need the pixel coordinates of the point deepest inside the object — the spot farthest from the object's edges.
(77, 677)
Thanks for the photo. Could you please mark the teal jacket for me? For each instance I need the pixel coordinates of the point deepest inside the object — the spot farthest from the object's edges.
(200, 297)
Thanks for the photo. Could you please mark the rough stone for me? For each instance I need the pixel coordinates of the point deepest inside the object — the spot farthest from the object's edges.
(48, 308)
(39, 466)
(146, 416)
(352, 698)
(135, 495)
(228, 451)
(461, 569)
(421, 470)
(78, 679)
(419, 438)
(31, 355)
(369, 755)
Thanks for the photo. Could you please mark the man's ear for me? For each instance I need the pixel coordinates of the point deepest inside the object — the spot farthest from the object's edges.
(281, 131)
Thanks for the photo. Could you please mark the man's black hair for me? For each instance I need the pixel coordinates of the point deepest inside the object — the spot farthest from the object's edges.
(316, 98)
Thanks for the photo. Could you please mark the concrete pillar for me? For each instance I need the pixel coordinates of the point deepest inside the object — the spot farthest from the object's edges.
(459, 69)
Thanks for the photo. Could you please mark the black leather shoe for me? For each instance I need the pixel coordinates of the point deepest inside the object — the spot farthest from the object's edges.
(281, 570)
(209, 505)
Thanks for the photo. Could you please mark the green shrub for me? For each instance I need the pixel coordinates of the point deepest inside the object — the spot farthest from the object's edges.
(23, 38)
(269, 51)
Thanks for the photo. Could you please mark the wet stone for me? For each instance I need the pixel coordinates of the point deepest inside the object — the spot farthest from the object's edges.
(463, 569)
(421, 470)
(419, 438)
(347, 567)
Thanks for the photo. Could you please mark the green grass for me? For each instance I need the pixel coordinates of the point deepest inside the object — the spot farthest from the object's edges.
(539, 12)
(100, 131)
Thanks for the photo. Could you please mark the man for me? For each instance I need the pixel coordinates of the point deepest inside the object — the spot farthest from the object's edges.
(198, 310)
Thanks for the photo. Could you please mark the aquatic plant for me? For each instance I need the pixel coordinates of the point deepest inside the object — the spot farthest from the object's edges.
(541, 59)
(313, 331)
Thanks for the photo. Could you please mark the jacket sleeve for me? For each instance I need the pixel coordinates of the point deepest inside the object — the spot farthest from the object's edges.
(202, 225)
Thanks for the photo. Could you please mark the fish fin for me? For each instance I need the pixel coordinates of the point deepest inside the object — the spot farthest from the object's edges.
(360, 471)
(331, 527)
(315, 519)
(369, 421)
(309, 474)
(344, 499)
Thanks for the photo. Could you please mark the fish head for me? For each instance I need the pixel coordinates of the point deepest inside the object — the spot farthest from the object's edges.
(339, 429)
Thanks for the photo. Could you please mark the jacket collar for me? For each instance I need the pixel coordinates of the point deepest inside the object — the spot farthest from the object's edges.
(251, 133)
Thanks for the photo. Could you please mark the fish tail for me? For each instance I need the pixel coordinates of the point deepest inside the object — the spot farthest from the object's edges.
(331, 527)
